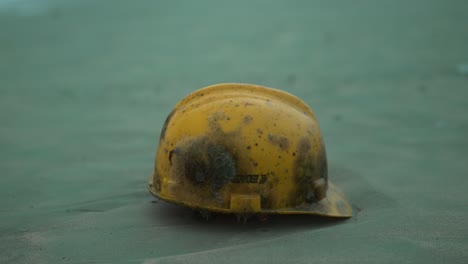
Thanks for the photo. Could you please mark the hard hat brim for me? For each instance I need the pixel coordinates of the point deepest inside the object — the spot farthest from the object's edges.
(334, 204)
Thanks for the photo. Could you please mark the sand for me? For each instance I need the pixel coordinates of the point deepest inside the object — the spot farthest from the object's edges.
(85, 87)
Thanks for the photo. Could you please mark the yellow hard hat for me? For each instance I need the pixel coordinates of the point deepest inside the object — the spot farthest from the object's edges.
(245, 149)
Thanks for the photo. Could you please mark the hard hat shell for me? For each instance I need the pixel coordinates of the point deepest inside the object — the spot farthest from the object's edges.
(245, 149)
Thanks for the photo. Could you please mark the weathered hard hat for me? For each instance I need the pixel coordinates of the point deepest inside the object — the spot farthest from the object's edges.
(245, 149)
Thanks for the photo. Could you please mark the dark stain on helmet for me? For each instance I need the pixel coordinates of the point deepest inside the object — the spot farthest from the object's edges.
(254, 163)
(310, 174)
(281, 141)
(266, 201)
(213, 122)
(166, 123)
(322, 162)
(218, 116)
(156, 184)
(208, 163)
(170, 157)
(247, 119)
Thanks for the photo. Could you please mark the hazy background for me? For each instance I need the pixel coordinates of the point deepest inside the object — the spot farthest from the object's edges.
(85, 87)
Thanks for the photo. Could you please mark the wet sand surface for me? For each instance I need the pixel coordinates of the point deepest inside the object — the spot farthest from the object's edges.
(85, 87)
